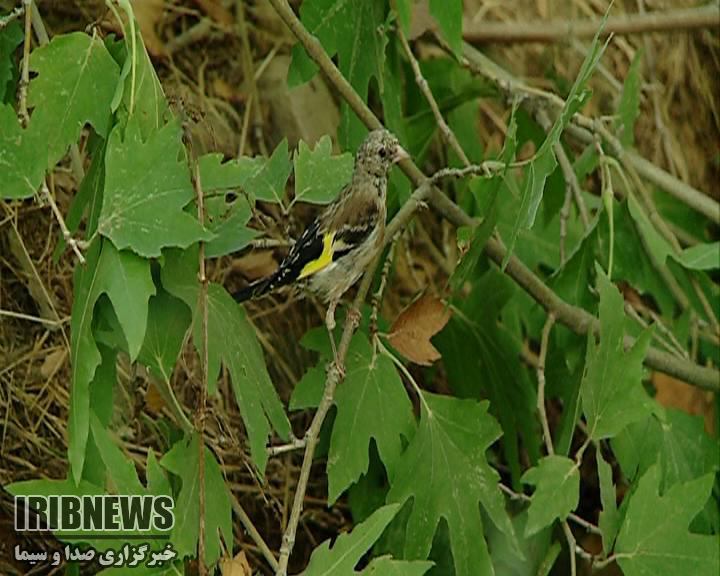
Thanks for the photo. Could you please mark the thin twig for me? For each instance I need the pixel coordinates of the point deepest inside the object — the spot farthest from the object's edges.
(377, 297)
(253, 102)
(296, 444)
(400, 220)
(25, 72)
(14, 14)
(572, 547)
(577, 319)
(61, 222)
(582, 128)
(403, 369)
(29, 318)
(200, 414)
(561, 31)
(253, 532)
(447, 134)
(541, 383)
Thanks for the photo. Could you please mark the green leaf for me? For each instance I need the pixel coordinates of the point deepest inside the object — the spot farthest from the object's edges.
(319, 176)
(215, 174)
(353, 30)
(448, 454)
(89, 194)
(139, 94)
(101, 399)
(404, 12)
(386, 566)
(11, 37)
(229, 227)
(262, 178)
(371, 386)
(611, 389)
(126, 279)
(147, 184)
(700, 257)
(168, 320)
(557, 490)
(120, 467)
(474, 342)
(545, 162)
(254, 391)
(340, 560)
(629, 107)
(631, 257)
(489, 192)
(76, 79)
(309, 389)
(537, 556)
(448, 14)
(657, 245)
(22, 156)
(609, 519)
(183, 460)
(676, 439)
(654, 537)
(268, 184)
(241, 354)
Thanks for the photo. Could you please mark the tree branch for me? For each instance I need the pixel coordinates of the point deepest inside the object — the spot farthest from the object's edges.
(583, 129)
(561, 31)
(577, 319)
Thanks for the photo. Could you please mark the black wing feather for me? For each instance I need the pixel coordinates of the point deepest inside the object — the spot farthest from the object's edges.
(308, 247)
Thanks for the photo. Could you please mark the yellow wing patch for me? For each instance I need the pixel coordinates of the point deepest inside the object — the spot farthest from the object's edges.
(321, 261)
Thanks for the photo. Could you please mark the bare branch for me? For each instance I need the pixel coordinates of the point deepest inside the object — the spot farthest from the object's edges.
(561, 31)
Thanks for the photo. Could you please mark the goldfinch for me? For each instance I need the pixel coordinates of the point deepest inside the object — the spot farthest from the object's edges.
(334, 251)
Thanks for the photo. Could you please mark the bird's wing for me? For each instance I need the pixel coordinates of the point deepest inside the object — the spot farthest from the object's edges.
(355, 231)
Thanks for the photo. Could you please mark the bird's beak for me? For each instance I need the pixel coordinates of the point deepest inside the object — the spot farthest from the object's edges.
(400, 154)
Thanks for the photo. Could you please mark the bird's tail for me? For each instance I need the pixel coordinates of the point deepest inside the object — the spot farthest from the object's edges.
(254, 289)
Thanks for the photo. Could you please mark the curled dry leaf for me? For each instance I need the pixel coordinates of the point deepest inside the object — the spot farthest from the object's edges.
(411, 332)
(237, 566)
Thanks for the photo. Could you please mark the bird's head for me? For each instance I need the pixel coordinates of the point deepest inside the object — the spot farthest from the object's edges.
(378, 152)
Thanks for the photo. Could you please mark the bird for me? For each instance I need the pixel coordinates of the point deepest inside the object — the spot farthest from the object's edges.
(337, 247)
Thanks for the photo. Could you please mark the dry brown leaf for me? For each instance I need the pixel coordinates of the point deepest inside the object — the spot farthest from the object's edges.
(256, 264)
(238, 566)
(216, 11)
(411, 332)
(421, 20)
(153, 400)
(673, 393)
(52, 363)
(148, 13)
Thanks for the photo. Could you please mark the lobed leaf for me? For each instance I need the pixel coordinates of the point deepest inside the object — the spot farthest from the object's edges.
(126, 279)
(557, 491)
(611, 389)
(183, 460)
(545, 162)
(254, 392)
(76, 79)
(371, 386)
(22, 157)
(319, 176)
(147, 185)
(411, 331)
(654, 537)
(448, 453)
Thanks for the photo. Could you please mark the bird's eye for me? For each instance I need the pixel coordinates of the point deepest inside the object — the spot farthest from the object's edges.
(382, 152)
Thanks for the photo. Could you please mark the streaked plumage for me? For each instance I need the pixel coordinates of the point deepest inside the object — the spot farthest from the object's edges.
(337, 247)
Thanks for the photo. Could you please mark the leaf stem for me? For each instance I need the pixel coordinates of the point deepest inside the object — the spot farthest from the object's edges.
(406, 373)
